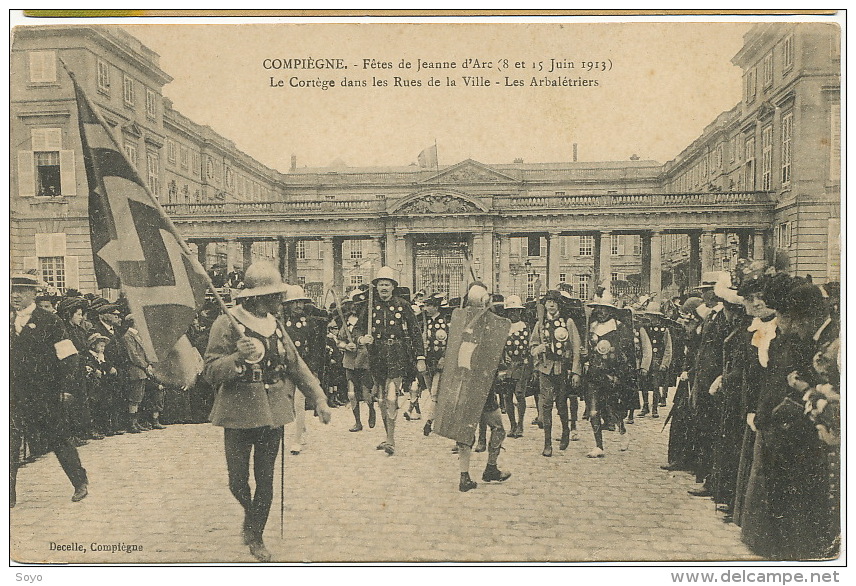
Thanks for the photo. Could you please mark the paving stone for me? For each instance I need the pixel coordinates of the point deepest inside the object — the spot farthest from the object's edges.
(345, 501)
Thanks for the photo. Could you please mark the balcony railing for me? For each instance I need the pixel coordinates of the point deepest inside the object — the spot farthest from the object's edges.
(500, 204)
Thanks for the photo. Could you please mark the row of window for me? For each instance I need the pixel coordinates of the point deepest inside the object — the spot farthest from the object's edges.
(787, 52)
(536, 246)
(129, 92)
(697, 175)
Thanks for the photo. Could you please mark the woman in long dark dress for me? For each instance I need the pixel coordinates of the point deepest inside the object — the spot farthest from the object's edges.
(792, 459)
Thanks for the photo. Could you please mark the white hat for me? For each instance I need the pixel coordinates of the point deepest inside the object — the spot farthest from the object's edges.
(606, 299)
(261, 278)
(724, 290)
(295, 293)
(387, 273)
(514, 302)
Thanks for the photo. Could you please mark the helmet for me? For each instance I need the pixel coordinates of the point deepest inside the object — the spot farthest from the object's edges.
(513, 302)
(295, 293)
(261, 278)
(386, 273)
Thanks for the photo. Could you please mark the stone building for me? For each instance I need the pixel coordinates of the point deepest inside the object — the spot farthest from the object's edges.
(762, 179)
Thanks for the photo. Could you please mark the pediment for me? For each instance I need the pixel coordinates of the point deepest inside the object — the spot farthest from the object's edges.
(438, 202)
(134, 130)
(469, 171)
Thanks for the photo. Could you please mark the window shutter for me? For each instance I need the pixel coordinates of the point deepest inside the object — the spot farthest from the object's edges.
(31, 263)
(26, 174)
(67, 176)
(58, 244)
(72, 272)
(621, 243)
(53, 139)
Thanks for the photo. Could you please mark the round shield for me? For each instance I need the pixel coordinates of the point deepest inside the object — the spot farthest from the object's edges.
(603, 347)
(441, 335)
(259, 351)
(561, 334)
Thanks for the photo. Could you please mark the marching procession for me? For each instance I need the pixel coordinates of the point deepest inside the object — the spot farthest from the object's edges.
(745, 369)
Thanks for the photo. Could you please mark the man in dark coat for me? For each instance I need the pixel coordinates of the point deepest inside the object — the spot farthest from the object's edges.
(390, 330)
(255, 368)
(106, 320)
(38, 346)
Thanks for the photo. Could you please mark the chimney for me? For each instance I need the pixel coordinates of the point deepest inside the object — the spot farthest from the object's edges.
(518, 160)
(293, 163)
(575, 152)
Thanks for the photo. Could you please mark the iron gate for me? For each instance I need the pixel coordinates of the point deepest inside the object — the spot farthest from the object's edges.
(440, 267)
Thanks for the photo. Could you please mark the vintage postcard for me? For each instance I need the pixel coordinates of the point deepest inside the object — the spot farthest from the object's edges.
(170, 176)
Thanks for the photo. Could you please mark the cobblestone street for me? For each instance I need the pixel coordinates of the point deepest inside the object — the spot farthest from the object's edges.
(166, 493)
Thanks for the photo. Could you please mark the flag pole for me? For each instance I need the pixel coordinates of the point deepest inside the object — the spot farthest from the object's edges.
(185, 249)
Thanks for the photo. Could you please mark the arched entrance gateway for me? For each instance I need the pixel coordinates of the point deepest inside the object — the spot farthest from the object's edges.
(516, 226)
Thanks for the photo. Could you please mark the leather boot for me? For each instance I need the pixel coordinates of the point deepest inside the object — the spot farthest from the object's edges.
(426, 429)
(258, 549)
(466, 482)
(566, 438)
(548, 444)
(358, 425)
(133, 425)
(81, 489)
(372, 416)
(494, 474)
(156, 424)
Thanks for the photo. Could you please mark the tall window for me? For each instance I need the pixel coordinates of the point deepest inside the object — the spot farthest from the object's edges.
(788, 54)
(787, 129)
(183, 156)
(637, 244)
(583, 282)
(750, 85)
(563, 246)
(172, 192)
(563, 277)
(103, 77)
(766, 158)
(300, 249)
(749, 165)
(768, 70)
(128, 90)
(197, 163)
(153, 172)
(52, 271)
(356, 247)
(835, 142)
(615, 246)
(47, 170)
(532, 280)
(131, 151)
(151, 104)
(586, 245)
(783, 235)
(42, 66)
(170, 150)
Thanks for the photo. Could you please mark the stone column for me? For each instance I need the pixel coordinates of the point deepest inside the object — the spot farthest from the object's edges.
(231, 253)
(646, 261)
(758, 244)
(603, 262)
(706, 250)
(376, 255)
(742, 244)
(397, 261)
(389, 252)
(338, 266)
(475, 253)
(327, 265)
(504, 285)
(202, 252)
(247, 253)
(292, 261)
(655, 272)
(487, 260)
(553, 260)
(694, 269)
(282, 257)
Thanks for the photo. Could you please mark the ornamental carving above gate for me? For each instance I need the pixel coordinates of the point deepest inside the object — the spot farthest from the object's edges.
(438, 204)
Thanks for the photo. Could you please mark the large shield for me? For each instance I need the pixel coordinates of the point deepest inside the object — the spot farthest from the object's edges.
(476, 341)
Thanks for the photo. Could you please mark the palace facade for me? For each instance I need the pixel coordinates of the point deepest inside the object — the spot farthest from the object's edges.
(763, 179)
